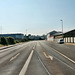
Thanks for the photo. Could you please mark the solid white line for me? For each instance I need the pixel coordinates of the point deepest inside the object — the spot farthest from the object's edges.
(24, 69)
(64, 63)
(64, 55)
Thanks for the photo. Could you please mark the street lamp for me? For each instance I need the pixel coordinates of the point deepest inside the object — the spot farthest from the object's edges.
(62, 26)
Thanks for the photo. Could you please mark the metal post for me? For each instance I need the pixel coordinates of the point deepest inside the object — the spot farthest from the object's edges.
(62, 26)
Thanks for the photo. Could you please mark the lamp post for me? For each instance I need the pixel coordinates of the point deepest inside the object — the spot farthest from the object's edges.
(62, 26)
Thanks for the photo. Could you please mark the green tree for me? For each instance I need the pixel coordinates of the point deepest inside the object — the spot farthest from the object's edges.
(11, 40)
(4, 41)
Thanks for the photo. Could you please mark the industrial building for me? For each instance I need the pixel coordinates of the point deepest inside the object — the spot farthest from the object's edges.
(15, 36)
(50, 35)
(69, 37)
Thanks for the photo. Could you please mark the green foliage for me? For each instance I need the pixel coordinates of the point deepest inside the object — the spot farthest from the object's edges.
(17, 41)
(4, 41)
(11, 40)
(24, 40)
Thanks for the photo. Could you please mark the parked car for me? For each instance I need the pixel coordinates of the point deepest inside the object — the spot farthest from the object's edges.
(60, 41)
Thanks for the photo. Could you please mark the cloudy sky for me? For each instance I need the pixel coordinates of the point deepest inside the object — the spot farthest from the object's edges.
(37, 16)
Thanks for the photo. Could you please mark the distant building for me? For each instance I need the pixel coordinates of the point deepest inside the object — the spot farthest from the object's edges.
(37, 37)
(30, 37)
(50, 35)
(43, 37)
(58, 36)
(15, 36)
(26, 37)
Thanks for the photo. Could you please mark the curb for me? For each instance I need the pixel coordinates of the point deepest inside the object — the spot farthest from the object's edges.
(8, 46)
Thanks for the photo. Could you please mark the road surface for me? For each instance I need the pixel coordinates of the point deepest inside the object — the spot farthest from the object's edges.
(38, 58)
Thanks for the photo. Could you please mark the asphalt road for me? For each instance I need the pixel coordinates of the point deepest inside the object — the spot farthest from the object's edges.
(38, 58)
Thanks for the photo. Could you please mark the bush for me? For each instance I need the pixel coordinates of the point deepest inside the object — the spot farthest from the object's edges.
(4, 41)
(24, 40)
(16, 41)
(11, 40)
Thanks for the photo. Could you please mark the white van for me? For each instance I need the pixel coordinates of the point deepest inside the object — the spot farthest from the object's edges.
(61, 41)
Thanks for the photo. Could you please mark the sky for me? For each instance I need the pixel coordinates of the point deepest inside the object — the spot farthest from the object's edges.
(36, 16)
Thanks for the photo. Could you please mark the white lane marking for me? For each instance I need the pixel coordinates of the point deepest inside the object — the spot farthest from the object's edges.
(14, 57)
(24, 69)
(65, 63)
(51, 57)
(48, 56)
(33, 47)
(45, 55)
(44, 66)
(58, 60)
(64, 55)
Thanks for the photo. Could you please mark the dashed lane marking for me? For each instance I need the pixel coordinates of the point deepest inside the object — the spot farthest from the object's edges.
(33, 47)
(14, 57)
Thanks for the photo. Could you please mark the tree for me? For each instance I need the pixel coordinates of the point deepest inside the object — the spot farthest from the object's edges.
(11, 40)
(4, 41)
